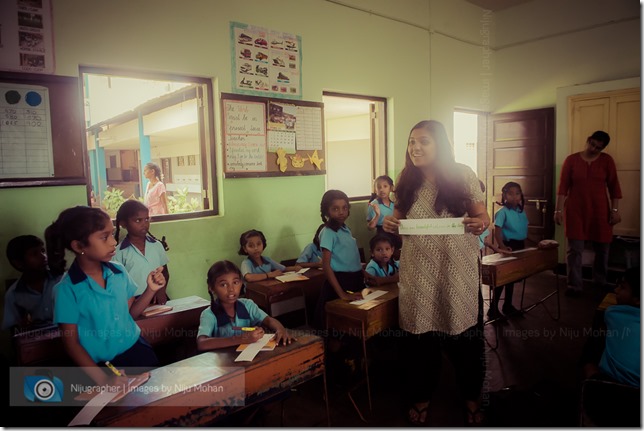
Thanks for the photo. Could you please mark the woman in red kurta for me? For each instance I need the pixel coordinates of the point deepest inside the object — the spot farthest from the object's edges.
(589, 216)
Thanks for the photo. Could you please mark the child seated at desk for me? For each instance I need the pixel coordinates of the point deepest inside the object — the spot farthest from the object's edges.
(614, 354)
(382, 269)
(30, 300)
(225, 323)
(311, 256)
(257, 267)
(95, 306)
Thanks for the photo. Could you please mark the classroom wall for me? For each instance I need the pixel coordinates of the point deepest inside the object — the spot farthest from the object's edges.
(426, 57)
(344, 50)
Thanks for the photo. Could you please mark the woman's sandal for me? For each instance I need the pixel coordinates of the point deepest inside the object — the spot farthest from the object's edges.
(474, 418)
(417, 415)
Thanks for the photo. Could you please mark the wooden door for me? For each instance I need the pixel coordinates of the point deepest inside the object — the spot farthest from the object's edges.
(618, 114)
(521, 149)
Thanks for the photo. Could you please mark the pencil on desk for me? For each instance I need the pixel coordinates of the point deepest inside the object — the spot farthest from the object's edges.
(244, 328)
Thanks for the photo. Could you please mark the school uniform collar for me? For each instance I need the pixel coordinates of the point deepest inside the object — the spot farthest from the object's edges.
(222, 318)
(126, 242)
(382, 203)
(22, 286)
(264, 262)
(76, 274)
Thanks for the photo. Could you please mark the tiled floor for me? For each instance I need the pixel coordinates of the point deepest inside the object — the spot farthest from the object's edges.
(532, 376)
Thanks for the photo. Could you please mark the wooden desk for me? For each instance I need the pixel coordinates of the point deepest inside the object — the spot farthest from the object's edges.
(181, 322)
(277, 298)
(44, 346)
(193, 394)
(527, 263)
(364, 321)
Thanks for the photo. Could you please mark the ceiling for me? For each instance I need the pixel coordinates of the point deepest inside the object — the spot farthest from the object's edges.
(497, 5)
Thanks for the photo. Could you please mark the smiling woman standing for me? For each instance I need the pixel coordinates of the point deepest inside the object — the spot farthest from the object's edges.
(440, 303)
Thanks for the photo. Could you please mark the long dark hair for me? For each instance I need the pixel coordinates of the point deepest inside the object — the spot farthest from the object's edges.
(218, 269)
(327, 200)
(452, 194)
(506, 188)
(316, 237)
(129, 208)
(73, 224)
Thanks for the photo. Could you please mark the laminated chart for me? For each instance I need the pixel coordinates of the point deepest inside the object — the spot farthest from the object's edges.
(25, 132)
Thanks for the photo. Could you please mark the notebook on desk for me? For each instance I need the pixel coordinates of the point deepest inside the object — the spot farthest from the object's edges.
(268, 347)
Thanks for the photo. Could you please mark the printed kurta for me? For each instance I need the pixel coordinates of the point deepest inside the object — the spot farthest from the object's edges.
(439, 277)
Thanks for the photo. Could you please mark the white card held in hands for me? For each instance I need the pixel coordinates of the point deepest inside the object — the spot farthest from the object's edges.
(432, 226)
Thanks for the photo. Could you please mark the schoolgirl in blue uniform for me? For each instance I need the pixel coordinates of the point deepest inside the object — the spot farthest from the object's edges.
(220, 324)
(382, 206)
(511, 231)
(311, 256)
(140, 252)
(340, 254)
(257, 267)
(382, 268)
(95, 305)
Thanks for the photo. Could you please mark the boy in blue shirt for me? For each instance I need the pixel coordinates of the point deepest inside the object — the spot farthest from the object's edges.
(30, 300)
(382, 269)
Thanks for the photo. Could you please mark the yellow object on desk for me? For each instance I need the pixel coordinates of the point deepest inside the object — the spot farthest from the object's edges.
(113, 368)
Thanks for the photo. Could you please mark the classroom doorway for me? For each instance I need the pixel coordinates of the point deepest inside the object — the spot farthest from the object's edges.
(356, 142)
(521, 149)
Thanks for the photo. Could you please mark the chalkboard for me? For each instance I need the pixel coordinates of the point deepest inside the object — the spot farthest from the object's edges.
(65, 119)
(266, 137)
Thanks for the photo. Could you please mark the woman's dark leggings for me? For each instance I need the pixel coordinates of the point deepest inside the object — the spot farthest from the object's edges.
(422, 361)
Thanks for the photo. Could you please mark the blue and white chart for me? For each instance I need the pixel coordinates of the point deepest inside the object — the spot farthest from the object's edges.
(25, 132)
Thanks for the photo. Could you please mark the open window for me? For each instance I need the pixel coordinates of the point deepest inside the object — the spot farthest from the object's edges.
(356, 144)
(134, 118)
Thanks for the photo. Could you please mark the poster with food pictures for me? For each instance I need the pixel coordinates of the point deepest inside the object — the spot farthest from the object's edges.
(266, 62)
(26, 43)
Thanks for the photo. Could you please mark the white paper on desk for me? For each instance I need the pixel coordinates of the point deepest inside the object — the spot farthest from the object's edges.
(291, 276)
(253, 349)
(92, 408)
(496, 257)
(303, 270)
(373, 295)
(522, 250)
(432, 226)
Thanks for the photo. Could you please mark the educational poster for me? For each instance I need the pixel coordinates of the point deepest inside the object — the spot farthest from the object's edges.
(265, 62)
(26, 36)
(25, 132)
(261, 137)
(244, 136)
